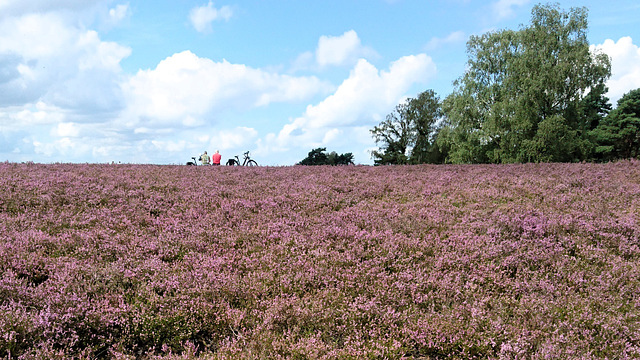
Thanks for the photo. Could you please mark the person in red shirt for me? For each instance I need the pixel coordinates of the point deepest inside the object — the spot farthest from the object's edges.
(216, 158)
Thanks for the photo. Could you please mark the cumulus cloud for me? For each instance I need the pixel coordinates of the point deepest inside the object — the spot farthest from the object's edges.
(336, 50)
(203, 16)
(625, 66)
(64, 147)
(57, 77)
(66, 129)
(363, 99)
(341, 50)
(187, 87)
(42, 54)
(38, 115)
(240, 137)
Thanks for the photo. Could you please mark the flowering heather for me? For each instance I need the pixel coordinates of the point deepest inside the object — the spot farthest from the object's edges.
(535, 261)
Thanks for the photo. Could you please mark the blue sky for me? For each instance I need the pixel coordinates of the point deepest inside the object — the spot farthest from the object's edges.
(161, 81)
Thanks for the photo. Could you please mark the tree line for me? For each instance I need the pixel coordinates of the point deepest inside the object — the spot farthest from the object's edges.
(532, 95)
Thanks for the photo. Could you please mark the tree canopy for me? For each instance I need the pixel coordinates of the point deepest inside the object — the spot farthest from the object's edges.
(406, 135)
(521, 98)
(618, 134)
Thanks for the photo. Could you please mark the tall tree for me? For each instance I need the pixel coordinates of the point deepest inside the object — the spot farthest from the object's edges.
(618, 135)
(521, 98)
(406, 135)
(393, 136)
(423, 112)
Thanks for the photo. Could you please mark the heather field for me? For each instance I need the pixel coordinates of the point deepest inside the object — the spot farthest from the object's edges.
(534, 261)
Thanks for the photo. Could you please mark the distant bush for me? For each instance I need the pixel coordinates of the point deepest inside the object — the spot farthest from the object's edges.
(320, 157)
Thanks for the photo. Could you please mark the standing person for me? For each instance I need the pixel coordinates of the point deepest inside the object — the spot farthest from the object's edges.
(205, 159)
(216, 158)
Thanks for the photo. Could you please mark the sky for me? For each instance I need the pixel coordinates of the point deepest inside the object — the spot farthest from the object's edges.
(160, 81)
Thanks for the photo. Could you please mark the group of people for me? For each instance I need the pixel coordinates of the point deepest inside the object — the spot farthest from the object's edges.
(211, 160)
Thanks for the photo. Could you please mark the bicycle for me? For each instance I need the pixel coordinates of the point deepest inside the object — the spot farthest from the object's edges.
(247, 161)
(192, 163)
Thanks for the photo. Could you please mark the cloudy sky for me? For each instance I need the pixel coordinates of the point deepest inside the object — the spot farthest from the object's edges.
(159, 81)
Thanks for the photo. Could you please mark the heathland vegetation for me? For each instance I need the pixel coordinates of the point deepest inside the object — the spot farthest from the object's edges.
(535, 261)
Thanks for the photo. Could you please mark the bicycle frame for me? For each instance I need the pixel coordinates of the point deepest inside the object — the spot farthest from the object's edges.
(247, 161)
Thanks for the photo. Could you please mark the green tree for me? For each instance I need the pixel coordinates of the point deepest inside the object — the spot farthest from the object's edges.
(393, 136)
(595, 107)
(522, 97)
(319, 156)
(406, 135)
(423, 112)
(339, 159)
(618, 135)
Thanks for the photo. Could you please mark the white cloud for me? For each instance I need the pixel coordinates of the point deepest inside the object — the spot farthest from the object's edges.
(36, 36)
(46, 59)
(503, 9)
(185, 85)
(332, 135)
(240, 137)
(118, 13)
(454, 37)
(63, 147)
(58, 79)
(363, 99)
(66, 129)
(341, 50)
(625, 66)
(97, 54)
(201, 17)
(171, 146)
(40, 114)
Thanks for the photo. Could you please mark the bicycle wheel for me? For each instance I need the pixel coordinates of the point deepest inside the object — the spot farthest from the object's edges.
(252, 163)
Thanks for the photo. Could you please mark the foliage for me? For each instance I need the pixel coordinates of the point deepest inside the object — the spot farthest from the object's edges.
(595, 107)
(394, 136)
(618, 135)
(532, 261)
(319, 156)
(406, 135)
(522, 97)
